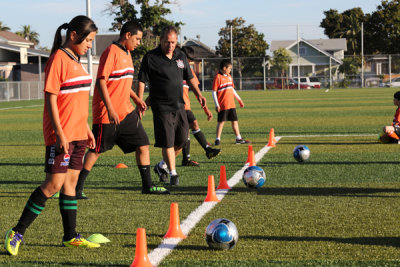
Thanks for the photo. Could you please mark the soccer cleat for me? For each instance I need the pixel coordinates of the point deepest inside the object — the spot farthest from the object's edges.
(174, 180)
(79, 241)
(217, 142)
(190, 163)
(156, 190)
(12, 242)
(242, 141)
(56, 195)
(212, 152)
(81, 196)
(162, 173)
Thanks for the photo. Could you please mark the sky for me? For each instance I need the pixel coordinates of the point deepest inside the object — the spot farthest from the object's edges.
(276, 19)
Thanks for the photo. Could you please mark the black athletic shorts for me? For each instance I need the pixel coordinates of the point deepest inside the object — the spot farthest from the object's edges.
(190, 116)
(128, 135)
(60, 163)
(170, 128)
(227, 115)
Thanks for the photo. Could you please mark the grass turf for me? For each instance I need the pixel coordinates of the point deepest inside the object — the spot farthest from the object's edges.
(339, 209)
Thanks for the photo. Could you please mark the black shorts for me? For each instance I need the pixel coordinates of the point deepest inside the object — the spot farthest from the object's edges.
(128, 135)
(227, 115)
(190, 116)
(170, 128)
(60, 163)
(397, 130)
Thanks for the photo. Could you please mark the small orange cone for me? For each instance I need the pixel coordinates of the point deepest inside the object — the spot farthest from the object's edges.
(250, 148)
(174, 230)
(121, 166)
(272, 140)
(223, 184)
(211, 196)
(141, 258)
(252, 159)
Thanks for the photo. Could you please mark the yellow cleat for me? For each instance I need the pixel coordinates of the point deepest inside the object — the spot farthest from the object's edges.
(12, 242)
(79, 241)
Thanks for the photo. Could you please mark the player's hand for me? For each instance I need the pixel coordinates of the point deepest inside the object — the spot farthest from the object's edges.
(141, 107)
(202, 101)
(62, 144)
(241, 103)
(208, 113)
(217, 109)
(113, 117)
(91, 142)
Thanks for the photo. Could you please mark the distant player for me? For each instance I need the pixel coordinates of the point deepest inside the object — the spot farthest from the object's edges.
(65, 130)
(115, 122)
(224, 95)
(391, 133)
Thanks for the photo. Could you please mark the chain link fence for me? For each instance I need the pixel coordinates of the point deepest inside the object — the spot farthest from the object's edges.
(12, 91)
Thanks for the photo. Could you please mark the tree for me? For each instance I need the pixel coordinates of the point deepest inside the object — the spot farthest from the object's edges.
(345, 25)
(152, 19)
(350, 68)
(29, 34)
(281, 61)
(4, 27)
(247, 42)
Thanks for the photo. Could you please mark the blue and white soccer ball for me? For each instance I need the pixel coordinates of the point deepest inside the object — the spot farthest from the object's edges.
(221, 234)
(253, 177)
(301, 153)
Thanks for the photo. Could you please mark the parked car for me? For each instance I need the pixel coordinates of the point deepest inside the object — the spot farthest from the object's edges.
(313, 82)
(395, 83)
(276, 83)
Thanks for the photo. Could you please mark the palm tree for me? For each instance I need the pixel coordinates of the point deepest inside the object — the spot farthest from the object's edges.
(3, 27)
(352, 34)
(29, 34)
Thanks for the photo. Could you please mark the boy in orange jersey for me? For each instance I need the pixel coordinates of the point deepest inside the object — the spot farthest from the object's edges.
(391, 133)
(115, 122)
(224, 95)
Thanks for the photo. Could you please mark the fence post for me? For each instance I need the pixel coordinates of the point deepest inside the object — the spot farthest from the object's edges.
(202, 74)
(390, 70)
(8, 92)
(29, 91)
(19, 90)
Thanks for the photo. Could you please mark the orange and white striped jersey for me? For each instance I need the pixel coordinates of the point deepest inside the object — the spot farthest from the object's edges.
(116, 68)
(225, 89)
(396, 119)
(68, 79)
(186, 91)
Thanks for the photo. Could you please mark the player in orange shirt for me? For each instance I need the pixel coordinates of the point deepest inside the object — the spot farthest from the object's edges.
(391, 133)
(66, 132)
(115, 122)
(224, 94)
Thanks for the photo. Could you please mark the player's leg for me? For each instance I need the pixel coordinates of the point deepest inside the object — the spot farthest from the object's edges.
(220, 126)
(88, 163)
(201, 139)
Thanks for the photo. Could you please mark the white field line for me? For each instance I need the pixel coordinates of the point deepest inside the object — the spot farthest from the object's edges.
(327, 135)
(168, 244)
(22, 107)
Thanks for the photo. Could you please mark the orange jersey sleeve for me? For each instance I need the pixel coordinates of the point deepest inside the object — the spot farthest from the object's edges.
(116, 68)
(396, 119)
(186, 97)
(69, 80)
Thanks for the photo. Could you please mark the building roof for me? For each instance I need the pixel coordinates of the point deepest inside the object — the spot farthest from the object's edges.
(335, 44)
(31, 51)
(10, 37)
(201, 50)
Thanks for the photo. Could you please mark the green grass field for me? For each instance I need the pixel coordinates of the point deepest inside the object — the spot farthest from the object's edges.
(342, 208)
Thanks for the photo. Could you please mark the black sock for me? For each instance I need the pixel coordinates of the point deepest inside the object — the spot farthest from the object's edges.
(33, 208)
(201, 139)
(81, 181)
(68, 209)
(186, 151)
(146, 176)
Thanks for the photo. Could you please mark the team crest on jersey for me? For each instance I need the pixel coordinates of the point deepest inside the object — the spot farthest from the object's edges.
(180, 64)
(66, 160)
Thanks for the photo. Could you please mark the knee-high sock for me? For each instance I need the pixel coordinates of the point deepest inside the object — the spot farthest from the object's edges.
(68, 209)
(200, 138)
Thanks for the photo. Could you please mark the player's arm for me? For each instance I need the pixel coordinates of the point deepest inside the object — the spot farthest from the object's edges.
(140, 91)
(195, 88)
(140, 104)
(91, 143)
(238, 98)
(62, 144)
(101, 85)
(215, 98)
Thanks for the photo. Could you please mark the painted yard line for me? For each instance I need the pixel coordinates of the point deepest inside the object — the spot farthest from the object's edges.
(168, 244)
(22, 107)
(328, 135)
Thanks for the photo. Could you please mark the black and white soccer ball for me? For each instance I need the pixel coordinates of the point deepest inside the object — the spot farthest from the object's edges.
(301, 153)
(253, 177)
(221, 234)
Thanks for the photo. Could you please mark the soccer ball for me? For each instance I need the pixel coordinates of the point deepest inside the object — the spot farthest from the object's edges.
(253, 177)
(221, 234)
(301, 153)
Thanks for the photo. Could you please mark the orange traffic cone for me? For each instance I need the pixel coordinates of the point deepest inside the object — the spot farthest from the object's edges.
(250, 148)
(211, 196)
(121, 166)
(272, 140)
(174, 230)
(141, 258)
(223, 184)
(252, 159)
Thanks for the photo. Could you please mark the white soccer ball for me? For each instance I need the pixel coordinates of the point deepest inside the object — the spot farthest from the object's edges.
(253, 177)
(301, 153)
(221, 234)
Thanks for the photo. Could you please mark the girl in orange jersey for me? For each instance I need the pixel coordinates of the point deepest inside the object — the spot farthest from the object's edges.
(66, 132)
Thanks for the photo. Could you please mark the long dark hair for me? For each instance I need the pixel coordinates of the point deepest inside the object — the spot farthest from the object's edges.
(82, 25)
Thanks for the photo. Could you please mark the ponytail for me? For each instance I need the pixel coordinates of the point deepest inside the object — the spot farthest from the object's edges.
(82, 25)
